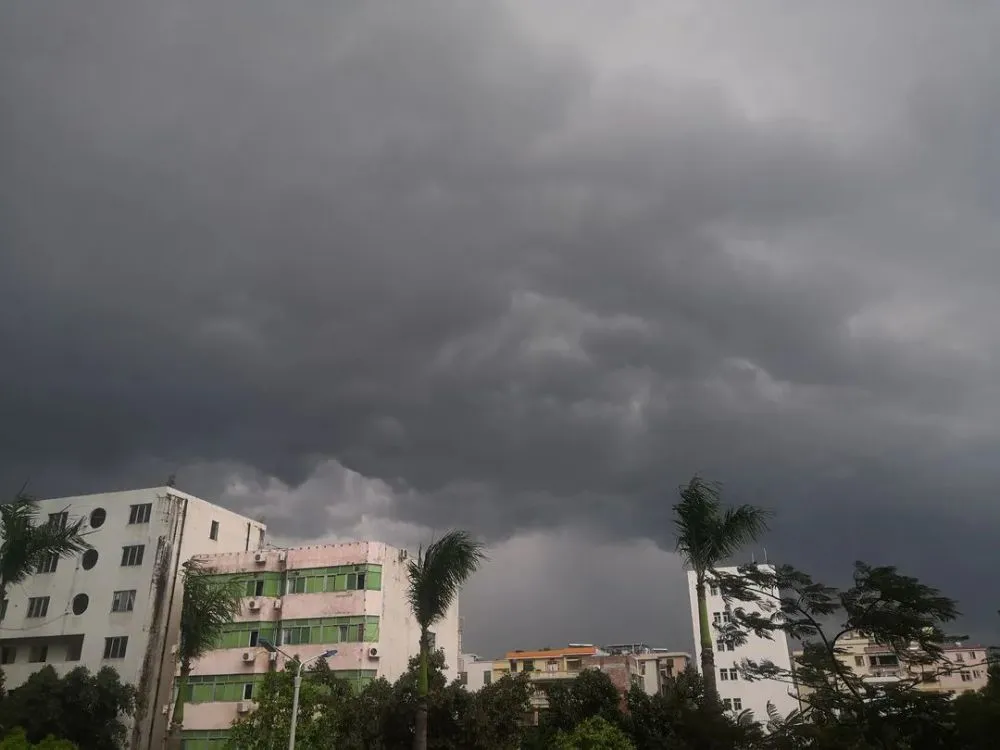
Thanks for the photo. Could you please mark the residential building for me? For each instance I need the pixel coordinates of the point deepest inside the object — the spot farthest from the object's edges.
(738, 694)
(476, 672)
(962, 667)
(117, 604)
(308, 600)
(657, 666)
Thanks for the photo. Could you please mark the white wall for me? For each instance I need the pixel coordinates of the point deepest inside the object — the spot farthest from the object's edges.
(752, 695)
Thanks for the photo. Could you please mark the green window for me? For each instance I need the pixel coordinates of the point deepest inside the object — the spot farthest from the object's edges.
(221, 688)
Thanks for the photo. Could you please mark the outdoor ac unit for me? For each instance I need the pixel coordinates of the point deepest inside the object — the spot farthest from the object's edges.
(253, 605)
(166, 709)
(260, 557)
(248, 657)
(277, 603)
(244, 707)
(272, 656)
(282, 556)
(373, 652)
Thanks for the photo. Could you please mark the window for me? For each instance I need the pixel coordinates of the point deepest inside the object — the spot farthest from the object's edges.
(89, 559)
(38, 654)
(361, 633)
(254, 638)
(859, 661)
(361, 581)
(123, 601)
(723, 674)
(38, 606)
(140, 513)
(977, 673)
(972, 655)
(80, 604)
(734, 674)
(74, 650)
(295, 636)
(247, 691)
(528, 666)
(3, 609)
(959, 657)
(713, 590)
(717, 618)
(8, 655)
(727, 704)
(730, 646)
(342, 634)
(114, 648)
(132, 555)
(214, 531)
(59, 520)
(48, 564)
(720, 646)
(727, 618)
(487, 676)
(737, 704)
(256, 588)
(296, 585)
(966, 677)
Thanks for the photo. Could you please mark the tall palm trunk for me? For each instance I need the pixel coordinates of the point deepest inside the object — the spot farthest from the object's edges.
(174, 737)
(707, 647)
(423, 688)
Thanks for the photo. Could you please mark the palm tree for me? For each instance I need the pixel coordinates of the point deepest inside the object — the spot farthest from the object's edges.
(210, 604)
(436, 575)
(25, 543)
(707, 534)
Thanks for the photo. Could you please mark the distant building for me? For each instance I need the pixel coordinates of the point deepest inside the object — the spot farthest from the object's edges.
(961, 669)
(736, 693)
(308, 600)
(117, 604)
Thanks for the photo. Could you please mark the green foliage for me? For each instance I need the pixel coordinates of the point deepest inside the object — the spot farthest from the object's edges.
(18, 740)
(595, 733)
(25, 542)
(85, 709)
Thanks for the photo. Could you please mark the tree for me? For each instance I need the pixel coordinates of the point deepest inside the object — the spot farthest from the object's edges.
(25, 544)
(841, 707)
(707, 534)
(435, 577)
(495, 720)
(595, 733)
(210, 603)
(17, 740)
(86, 709)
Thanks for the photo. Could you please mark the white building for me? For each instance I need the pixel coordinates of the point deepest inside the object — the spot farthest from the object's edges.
(308, 600)
(736, 693)
(117, 604)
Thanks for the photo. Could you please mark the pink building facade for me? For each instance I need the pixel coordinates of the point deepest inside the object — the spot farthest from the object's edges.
(308, 600)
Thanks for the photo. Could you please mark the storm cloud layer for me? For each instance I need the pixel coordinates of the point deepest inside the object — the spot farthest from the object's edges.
(384, 268)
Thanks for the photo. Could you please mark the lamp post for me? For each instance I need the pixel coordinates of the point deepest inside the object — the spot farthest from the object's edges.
(298, 682)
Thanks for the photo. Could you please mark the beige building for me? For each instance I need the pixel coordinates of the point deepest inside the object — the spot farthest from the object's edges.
(961, 669)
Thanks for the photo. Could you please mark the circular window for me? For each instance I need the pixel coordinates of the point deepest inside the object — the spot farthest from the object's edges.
(97, 516)
(80, 602)
(89, 559)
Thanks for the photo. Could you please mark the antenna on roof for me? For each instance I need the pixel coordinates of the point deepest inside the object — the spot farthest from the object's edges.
(765, 555)
(172, 480)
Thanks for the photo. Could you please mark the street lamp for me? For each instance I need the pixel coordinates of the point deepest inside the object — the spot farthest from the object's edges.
(298, 682)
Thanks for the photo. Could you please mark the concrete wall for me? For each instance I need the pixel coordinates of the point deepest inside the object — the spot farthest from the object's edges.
(751, 695)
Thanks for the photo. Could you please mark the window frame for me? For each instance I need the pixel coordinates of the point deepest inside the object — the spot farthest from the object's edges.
(115, 647)
(139, 514)
(38, 607)
(123, 595)
(213, 531)
(132, 555)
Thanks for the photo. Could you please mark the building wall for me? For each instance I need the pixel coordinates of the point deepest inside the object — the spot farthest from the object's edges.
(173, 532)
(748, 695)
(656, 668)
(383, 654)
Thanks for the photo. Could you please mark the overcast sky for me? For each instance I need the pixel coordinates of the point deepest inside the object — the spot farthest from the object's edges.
(376, 269)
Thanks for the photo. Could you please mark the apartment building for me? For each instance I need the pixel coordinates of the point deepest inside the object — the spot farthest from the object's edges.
(659, 666)
(737, 694)
(117, 604)
(962, 667)
(308, 600)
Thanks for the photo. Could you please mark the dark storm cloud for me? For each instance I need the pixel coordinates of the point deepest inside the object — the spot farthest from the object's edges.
(512, 285)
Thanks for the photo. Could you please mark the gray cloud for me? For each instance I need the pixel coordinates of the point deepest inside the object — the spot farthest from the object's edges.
(519, 271)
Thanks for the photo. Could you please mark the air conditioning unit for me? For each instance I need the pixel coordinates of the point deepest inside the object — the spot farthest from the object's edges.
(248, 657)
(166, 709)
(253, 605)
(260, 557)
(282, 556)
(277, 603)
(373, 652)
(244, 707)
(272, 656)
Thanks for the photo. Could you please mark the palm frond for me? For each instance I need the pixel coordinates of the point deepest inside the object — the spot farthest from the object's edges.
(737, 528)
(210, 604)
(437, 573)
(25, 542)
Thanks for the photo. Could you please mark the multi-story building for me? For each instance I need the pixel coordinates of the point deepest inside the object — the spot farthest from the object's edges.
(658, 666)
(736, 693)
(117, 604)
(306, 601)
(962, 668)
